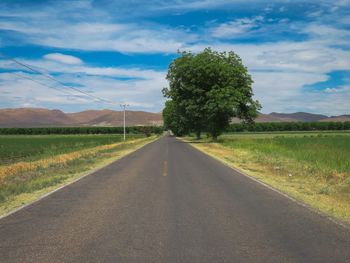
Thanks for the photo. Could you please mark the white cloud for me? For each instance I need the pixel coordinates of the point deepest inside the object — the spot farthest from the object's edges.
(343, 89)
(66, 59)
(308, 56)
(281, 90)
(142, 90)
(127, 38)
(185, 5)
(328, 34)
(236, 27)
(51, 66)
(324, 102)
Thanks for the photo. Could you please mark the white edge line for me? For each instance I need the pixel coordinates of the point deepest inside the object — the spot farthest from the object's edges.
(240, 172)
(69, 183)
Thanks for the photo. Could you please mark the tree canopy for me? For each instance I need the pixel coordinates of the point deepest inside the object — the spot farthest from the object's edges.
(206, 90)
(173, 119)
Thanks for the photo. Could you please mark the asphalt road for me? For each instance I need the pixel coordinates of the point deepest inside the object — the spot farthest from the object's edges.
(168, 202)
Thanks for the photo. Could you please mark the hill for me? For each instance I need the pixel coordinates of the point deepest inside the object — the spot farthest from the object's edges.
(37, 117)
(298, 116)
(337, 118)
(33, 117)
(115, 118)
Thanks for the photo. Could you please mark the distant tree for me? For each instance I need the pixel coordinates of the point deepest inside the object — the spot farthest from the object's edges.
(147, 131)
(209, 88)
(173, 119)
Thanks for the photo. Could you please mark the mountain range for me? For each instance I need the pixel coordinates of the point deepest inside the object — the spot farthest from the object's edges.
(296, 117)
(38, 117)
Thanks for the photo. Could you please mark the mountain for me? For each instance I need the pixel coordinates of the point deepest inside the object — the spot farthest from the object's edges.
(270, 118)
(295, 117)
(265, 118)
(88, 115)
(298, 116)
(115, 118)
(337, 118)
(33, 117)
(36, 117)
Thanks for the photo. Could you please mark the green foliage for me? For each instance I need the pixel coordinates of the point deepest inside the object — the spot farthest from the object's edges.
(80, 130)
(147, 130)
(207, 90)
(173, 120)
(288, 126)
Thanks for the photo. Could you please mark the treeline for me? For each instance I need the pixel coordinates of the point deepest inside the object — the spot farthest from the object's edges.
(147, 130)
(289, 126)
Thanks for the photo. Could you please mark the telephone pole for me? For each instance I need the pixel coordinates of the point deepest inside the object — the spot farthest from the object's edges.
(123, 106)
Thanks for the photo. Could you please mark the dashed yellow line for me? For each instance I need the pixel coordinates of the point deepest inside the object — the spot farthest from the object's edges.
(165, 168)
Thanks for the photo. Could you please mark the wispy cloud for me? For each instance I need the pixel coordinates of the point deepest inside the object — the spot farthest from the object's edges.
(127, 38)
(236, 27)
(66, 59)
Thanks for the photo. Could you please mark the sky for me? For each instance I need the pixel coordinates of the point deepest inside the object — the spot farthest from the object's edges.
(298, 52)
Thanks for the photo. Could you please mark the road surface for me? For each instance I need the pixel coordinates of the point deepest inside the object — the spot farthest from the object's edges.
(168, 202)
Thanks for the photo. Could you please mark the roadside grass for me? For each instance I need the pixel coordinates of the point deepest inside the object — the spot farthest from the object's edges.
(311, 167)
(25, 181)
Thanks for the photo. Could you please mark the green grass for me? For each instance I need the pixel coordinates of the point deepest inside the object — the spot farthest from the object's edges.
(256, 135)
(15, 148)
(327, 153)
(312, 167)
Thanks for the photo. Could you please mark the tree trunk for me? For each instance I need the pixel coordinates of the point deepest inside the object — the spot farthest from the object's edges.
(198, 135)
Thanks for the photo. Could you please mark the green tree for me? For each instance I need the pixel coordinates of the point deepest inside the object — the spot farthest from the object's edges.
(173, 120)
(209, 88)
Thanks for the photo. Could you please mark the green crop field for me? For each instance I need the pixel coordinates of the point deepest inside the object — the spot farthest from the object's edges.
(15, 148)
(326, 153)
(313, 166)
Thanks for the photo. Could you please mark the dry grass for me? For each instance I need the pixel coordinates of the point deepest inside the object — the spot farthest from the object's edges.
(58, 160)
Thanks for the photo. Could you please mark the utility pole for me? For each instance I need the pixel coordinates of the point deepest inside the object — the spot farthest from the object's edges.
(123, 106)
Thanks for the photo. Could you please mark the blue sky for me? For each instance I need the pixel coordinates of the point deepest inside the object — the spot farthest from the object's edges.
(298, 52)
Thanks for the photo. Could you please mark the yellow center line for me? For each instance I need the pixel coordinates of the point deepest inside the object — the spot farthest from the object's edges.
(165, 168)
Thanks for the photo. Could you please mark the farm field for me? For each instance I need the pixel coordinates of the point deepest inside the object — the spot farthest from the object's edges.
(313, 167)
(15, 148)
(31, 165)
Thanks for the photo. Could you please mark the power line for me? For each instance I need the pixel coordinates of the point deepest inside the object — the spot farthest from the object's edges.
(58, 81)
(43, 84)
